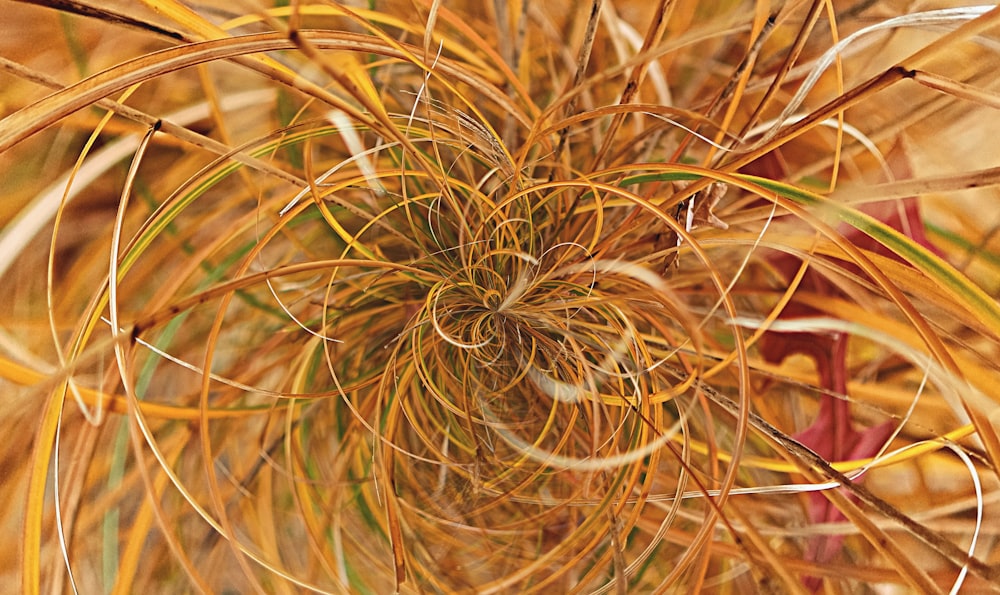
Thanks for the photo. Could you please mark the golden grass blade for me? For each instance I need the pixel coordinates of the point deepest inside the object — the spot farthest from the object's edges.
(974, 298)
(957, 88)
(41, 453)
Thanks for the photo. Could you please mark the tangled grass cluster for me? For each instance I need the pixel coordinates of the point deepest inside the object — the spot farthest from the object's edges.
(501, 297)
